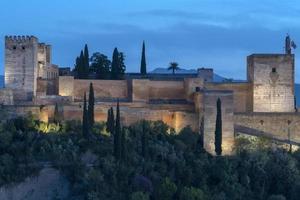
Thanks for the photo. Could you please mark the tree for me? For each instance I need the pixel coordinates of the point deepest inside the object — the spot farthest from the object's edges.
(201, 137)
(91, 105)
(123, 145)
(86, 62)
(100, 64)
(139, 196)
(218, 131)
(108, 119)
(117, 136)
(167, 189)
(85, 121)
(56, 117)
(173, 66)
(191, 193)
(277, 197)
(81, 71)
(143, 69)
(144, 140)
(110, 123)
(115, 64)
(121, 66)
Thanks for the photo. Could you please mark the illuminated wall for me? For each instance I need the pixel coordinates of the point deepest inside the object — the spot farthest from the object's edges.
(272, 82)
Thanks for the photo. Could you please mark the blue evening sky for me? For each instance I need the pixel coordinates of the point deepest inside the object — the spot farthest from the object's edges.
(194, 33)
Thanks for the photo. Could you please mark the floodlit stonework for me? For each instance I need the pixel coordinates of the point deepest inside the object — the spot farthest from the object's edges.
(264, 103)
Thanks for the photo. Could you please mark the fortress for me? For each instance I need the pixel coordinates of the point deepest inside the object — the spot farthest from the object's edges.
(262, 105)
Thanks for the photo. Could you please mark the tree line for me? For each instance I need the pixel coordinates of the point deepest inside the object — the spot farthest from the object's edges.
(99, 66)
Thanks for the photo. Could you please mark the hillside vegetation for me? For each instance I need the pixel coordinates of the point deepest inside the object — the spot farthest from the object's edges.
(155, 163)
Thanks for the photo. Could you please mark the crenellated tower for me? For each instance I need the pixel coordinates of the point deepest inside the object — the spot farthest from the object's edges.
(21, 70)
(272, 82)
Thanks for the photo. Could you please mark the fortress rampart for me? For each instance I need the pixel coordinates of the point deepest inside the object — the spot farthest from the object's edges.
(265, 102)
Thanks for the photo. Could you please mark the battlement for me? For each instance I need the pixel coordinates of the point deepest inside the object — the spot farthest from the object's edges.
(20, 39)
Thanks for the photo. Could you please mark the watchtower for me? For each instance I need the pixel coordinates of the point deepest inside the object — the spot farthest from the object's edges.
(272, 82)
(21, 68)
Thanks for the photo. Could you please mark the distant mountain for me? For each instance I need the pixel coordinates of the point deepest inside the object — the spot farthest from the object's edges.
(180, 71)
(217, 78)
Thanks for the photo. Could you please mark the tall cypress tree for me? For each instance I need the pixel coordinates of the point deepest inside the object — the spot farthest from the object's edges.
(144, 140)
(86, 61)
(218, 131)
(81, 73)
(123, 146)
(56, 118)
(115, 64)
(143, 69)
(91, 106)
(201, 134)
(108, 121)
(117, 136)
(121, 66)
(112, 121)
(85, 121)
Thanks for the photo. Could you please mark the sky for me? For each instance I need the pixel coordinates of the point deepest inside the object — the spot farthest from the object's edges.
(195, 33)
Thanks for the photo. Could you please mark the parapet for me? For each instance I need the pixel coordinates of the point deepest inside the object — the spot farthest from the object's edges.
(206, 73)
(20, 39)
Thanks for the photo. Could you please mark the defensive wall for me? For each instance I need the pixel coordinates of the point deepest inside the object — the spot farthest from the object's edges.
(283, 126)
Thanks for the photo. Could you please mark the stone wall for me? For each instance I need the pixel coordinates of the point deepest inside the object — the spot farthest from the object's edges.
(272, 82)
(131, 113)
(6, 96)
(103, 89)
(210, 113)
(47, 87)
(66, 86)
(166, 90)
(277, 124)
(240, 94)
(21, 66)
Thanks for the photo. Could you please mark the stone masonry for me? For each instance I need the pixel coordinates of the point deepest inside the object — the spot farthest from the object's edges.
(264, 102)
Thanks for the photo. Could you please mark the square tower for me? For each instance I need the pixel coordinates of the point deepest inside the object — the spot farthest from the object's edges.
(21, 66)
(272, 82)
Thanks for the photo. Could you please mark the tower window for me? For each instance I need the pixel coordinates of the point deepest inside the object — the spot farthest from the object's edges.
(274, 70)
(14, 47)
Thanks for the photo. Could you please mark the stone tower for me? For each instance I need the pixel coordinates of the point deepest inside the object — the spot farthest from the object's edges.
(272, 82)
(21, 68)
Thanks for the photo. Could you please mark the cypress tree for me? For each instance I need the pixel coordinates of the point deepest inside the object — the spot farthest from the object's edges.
(121, 66)
(86, 62)
(143, 69)
(91, 106)
(112, 121)
(115, 64)
(117, 136)
(56, 117)
(201, 138)
(144, 140)
(77, 66)
(123, 145)
(85, 126)
(218, 131)
(108, 121)
(81, 73)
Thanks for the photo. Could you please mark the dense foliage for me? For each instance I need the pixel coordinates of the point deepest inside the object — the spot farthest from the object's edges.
(155, 163)
(99, 66)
